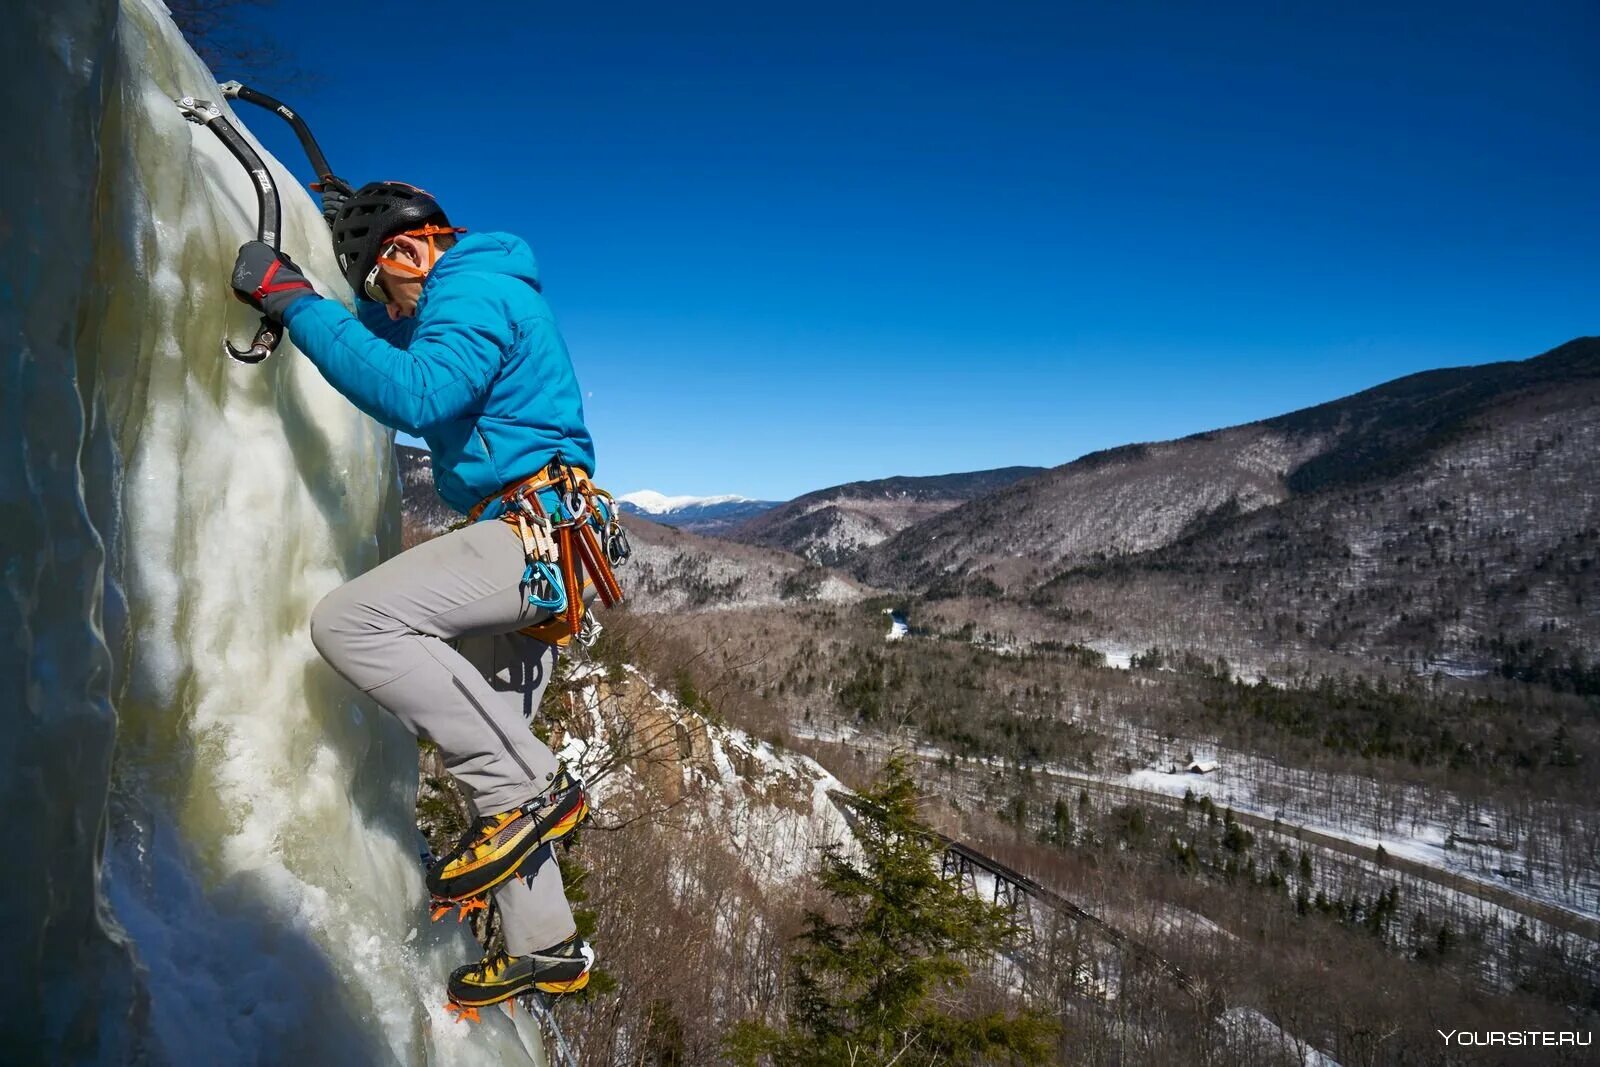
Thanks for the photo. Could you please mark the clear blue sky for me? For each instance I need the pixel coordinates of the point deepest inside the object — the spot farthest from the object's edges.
(800, 245)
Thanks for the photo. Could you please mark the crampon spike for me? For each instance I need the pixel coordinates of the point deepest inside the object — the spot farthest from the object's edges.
(461, 1012)
(441, 908)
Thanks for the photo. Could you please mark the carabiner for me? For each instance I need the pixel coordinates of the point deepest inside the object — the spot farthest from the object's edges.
(575, 504)
(618, 549)
(545, 589)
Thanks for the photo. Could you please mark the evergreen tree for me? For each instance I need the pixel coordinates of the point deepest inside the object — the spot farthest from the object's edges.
(880, 979)
(1059, 830)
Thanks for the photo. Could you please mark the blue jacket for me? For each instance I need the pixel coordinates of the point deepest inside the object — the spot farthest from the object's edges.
(480, 373)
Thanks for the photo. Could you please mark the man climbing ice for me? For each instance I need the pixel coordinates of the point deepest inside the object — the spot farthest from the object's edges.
(453, 342)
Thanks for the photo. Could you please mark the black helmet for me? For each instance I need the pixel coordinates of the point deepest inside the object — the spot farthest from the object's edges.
(376, 211)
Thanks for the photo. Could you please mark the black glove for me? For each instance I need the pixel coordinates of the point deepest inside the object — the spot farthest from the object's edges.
(334, 192)
(268, 280)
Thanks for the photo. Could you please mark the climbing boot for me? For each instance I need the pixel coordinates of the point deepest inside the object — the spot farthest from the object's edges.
(497, 977)
(497, 846)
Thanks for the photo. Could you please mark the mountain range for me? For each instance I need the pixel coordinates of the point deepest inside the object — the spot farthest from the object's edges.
(1447, 520)
(697, 514)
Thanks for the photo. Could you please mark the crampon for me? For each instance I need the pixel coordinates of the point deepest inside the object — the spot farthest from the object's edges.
(496, 847)
(439, 908)
(539, 1005)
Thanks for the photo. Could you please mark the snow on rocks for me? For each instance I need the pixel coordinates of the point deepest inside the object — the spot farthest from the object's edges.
(771, 806)
(898, 627)
(654, 503)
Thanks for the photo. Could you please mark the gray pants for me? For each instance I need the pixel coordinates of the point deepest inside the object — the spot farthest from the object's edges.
(390, 631)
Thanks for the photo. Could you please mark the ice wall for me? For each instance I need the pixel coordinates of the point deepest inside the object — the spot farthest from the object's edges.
(238, 880)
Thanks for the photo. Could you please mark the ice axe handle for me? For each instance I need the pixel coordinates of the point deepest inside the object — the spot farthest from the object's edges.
(269, 216)
(319, 162)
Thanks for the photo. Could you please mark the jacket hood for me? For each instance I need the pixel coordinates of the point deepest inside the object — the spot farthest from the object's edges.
(489, 253)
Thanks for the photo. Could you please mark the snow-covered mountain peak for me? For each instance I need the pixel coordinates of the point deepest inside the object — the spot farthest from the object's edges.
(654, 503)
(701, 514)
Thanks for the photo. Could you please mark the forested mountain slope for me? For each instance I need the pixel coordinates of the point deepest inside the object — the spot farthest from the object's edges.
(1448, 518)
(675, 570)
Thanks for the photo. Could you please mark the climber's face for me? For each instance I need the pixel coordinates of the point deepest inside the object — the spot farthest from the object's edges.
(402, 287)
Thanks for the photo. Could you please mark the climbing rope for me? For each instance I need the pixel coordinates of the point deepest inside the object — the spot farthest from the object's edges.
(541, 1008)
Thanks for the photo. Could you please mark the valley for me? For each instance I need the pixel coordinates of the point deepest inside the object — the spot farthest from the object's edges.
(1306, 707)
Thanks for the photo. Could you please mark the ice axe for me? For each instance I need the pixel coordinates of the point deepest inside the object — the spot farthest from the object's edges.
(269, 215)
(326, 179)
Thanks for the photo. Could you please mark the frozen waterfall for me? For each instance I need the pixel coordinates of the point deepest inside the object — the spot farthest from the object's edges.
(220, 858)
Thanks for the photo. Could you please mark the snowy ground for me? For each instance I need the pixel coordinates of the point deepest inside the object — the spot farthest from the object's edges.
(1117, 656)
(1413, 826)
(1430, 827)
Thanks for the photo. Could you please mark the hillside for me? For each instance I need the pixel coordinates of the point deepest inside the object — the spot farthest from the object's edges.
(674, 570)
(1448, 520)
(832, 525)
(696, 827)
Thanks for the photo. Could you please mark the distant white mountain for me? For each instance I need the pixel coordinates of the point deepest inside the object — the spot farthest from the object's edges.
(700, 514)
(654, 503)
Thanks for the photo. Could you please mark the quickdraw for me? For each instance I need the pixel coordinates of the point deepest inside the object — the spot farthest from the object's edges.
(540, 578)
(573, 548)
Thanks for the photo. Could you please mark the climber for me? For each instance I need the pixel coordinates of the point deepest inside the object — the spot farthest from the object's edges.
(453, 342)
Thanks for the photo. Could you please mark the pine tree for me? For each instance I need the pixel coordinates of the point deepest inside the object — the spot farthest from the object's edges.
(880, 979)
(1059, 830)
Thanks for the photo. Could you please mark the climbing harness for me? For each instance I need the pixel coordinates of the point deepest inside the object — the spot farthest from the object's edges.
(269, 215)
(574, 546)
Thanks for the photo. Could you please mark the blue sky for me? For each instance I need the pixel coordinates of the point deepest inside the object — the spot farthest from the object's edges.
(796, 246)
